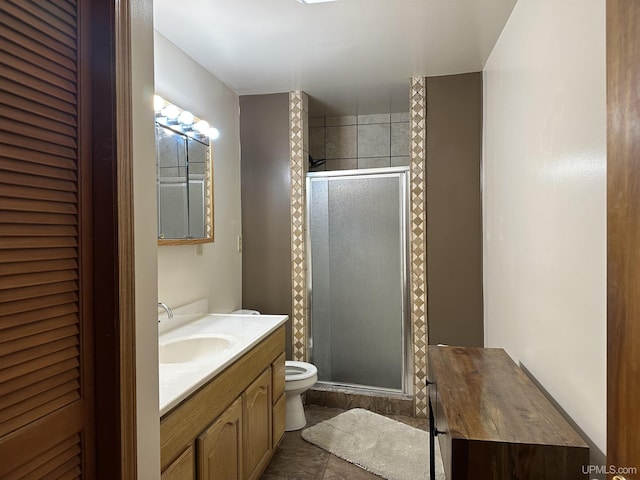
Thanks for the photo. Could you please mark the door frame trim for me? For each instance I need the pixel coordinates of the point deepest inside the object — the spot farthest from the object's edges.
(126, 245)
(113, 293)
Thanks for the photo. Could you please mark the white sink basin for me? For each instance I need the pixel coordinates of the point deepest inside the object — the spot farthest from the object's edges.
(194, 348)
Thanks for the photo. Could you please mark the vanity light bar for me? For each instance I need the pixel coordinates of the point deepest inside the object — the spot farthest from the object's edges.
(168, 114)
(307, 2)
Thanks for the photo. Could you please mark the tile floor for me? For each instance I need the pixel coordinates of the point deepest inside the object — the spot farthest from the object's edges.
(297, 459)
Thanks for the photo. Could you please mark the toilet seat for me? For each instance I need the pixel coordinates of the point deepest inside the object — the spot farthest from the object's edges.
(298, 370)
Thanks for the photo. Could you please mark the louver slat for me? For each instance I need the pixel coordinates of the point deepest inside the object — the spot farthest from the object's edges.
(37, 120)
(31, 80)
(67, 470)
(33, 267)
(48, 404)
(33, 378)
(22, 205)
(17, 360)
(34, 143)
(19, 346)
(33, 16)
(37, 70)
(32, 366)
(25, 93)
(49, 460)
(30, 255)
(65, 465)
(28, 404)
(26, 299)
(46, 44)
(19, 106)
(16, 398)
(68, 7)
(33, 181)
(27, 53)
(35, 218)
(36, 163)
(33, 279)
(52, 14)
(17, 37)
(34, 131)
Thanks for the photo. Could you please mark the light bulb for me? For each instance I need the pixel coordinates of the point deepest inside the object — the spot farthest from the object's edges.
(213, 133)
(202, 126)
(186, 118)
(171, 112)
(158, 103)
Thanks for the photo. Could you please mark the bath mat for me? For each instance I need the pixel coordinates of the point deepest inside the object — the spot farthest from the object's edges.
(378, 444)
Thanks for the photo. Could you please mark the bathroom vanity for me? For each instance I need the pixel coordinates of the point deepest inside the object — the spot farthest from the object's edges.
(228, 423)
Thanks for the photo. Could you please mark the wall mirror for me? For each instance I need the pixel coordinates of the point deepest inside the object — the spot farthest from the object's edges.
(184, 176)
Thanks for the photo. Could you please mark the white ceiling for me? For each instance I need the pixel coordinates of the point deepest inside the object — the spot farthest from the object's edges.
(350, 56)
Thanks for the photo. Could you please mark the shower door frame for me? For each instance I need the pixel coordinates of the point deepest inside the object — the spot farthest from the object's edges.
(402, 173)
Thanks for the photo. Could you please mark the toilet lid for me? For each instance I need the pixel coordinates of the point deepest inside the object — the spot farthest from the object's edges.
(299, 370)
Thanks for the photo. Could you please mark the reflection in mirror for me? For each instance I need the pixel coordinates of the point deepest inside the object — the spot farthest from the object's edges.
(184, 176)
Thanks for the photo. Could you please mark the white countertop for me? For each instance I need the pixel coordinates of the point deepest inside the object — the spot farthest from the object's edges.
(179, 380)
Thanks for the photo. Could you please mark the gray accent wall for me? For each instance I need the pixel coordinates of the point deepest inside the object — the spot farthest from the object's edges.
(454, 217)
(265, 184)
(454, 210)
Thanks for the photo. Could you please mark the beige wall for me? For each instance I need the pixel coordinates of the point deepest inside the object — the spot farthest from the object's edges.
(184, 276)
(454, 213)
(545, 202)
(176, 274)
(144, 198)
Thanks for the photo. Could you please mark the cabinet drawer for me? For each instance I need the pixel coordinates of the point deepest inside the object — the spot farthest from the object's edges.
(279, 419)
(278, 376)
(441, 426)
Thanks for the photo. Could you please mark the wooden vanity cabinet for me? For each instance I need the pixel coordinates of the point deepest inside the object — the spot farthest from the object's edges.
(230, 427)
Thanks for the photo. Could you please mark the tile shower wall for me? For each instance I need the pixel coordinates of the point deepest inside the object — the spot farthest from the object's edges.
(362, 141)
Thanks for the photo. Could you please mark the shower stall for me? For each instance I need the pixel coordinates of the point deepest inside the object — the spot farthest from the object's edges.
(359, 335)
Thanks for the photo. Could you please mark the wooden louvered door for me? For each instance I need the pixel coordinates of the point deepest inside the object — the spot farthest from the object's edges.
(46, 332)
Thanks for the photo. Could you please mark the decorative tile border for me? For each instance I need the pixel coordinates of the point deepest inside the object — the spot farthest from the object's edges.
(298, 252)
(418, 126)
(418, 132)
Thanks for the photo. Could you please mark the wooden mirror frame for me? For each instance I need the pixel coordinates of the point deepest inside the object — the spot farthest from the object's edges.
(208, 208)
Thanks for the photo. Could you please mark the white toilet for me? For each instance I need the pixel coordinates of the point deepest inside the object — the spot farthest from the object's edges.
(299, 377)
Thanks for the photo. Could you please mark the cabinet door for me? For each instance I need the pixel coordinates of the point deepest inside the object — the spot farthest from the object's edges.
(278, 377)
(257, 425)
(279, 419)
(220, 446)
(182, 467)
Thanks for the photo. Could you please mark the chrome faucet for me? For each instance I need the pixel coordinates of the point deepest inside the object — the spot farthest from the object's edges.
(166, 309)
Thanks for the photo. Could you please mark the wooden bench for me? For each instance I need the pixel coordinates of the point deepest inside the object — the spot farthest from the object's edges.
(492, 422)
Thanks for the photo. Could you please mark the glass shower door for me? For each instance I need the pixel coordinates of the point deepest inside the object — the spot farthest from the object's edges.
(357, 224)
